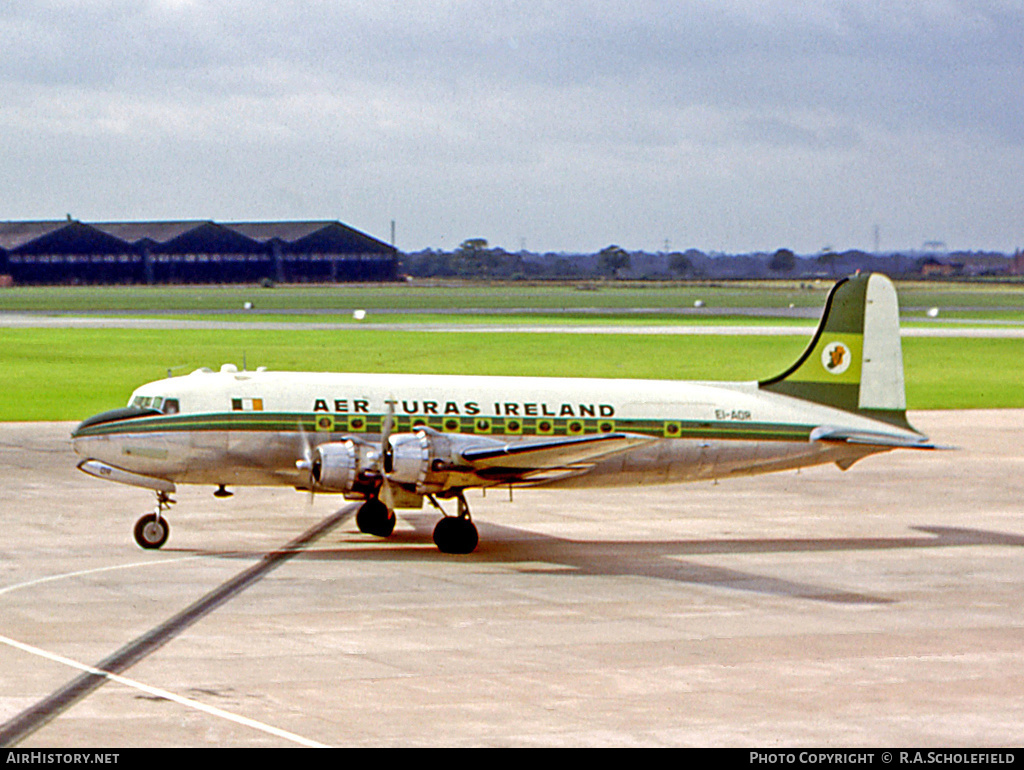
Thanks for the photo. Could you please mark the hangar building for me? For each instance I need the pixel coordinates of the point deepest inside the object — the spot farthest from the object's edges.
(69, 251)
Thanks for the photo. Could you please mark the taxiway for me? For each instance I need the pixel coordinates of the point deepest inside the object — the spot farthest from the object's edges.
(874, 607)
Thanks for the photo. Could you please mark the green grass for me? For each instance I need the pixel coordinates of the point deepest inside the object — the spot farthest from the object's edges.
(611, 298)
(65, 374)
(960, 373)
(68, 374)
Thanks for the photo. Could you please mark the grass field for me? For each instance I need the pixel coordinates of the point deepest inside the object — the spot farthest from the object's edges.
(439, 296)
(66, 374)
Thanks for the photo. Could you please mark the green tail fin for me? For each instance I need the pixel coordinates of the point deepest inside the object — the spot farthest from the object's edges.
(855, 359)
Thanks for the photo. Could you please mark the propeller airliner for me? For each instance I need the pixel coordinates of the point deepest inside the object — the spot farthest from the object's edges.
(393, 441)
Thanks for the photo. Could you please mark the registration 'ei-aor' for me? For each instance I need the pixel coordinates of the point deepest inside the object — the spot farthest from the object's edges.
(393, 441)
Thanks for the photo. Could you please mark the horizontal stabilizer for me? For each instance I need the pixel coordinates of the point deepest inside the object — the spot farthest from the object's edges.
(870, 438)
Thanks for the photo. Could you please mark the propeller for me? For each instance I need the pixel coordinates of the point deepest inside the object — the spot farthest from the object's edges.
(306, 461)
(387, 456)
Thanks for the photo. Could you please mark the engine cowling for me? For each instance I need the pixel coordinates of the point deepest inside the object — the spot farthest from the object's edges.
(422, 462)
(343, 466)
(429, 462)
(409, 459)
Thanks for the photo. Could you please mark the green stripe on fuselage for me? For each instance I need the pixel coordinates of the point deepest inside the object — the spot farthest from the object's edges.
(512, 427)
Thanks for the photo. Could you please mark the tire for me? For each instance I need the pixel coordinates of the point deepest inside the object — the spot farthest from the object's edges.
(375, 518)
(456, 535)
(151, 531)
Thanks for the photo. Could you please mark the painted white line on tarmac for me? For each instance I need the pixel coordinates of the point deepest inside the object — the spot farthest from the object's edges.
(160, 693)
(78, 573)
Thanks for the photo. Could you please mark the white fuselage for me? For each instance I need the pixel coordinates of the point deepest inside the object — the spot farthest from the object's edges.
(249, 428)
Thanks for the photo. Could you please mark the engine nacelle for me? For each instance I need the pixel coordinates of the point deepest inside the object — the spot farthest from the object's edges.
(409, 459)
(429, 462)
(342, 466)
(420, 463)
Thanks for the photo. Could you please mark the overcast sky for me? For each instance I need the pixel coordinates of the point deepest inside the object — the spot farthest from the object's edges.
(562, 125)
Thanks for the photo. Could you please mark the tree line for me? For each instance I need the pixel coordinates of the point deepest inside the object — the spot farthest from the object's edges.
(476, 259)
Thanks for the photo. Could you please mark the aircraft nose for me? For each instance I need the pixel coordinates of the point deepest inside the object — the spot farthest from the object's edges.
(79, 441)
(76, 437)
(94, 426)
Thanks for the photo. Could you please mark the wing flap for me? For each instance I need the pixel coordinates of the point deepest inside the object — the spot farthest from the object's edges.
(525, 458)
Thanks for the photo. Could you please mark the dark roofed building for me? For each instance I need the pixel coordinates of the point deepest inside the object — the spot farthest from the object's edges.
(321, 251)
(66, 251)
(200, 251)
(152, 232)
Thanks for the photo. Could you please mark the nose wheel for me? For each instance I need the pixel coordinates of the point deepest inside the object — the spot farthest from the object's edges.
(152, 530)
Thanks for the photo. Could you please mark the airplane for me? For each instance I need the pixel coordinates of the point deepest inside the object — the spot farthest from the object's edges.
(395, 440)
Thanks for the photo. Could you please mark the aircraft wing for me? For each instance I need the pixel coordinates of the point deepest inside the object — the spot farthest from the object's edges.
(552, 458)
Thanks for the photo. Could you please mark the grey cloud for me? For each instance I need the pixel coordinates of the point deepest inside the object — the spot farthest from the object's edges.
(664, 100)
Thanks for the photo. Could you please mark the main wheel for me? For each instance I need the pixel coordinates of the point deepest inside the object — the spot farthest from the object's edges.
(151, 531)
(375, 518)
(454, 534)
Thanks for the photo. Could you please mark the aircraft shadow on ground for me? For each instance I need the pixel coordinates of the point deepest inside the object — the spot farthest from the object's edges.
(657, 559)
(663, 560)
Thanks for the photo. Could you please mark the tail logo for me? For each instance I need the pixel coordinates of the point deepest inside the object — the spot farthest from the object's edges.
(836, 357)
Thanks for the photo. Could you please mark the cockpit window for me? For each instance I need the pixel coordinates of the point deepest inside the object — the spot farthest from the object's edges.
(159, 403)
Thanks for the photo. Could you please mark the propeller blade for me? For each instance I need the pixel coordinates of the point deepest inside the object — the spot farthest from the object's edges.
(306, 449)
(306, 463)
(385, 439)
(389, 421)
(386, 496)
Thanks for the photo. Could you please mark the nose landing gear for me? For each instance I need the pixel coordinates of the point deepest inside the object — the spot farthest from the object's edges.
(152, 530)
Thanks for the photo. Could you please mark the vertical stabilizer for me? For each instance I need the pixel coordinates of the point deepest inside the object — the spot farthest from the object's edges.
(855, 359)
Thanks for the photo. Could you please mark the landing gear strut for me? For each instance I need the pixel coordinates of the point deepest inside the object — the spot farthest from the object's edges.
(455, 534)
(375, 518)
(152, 530)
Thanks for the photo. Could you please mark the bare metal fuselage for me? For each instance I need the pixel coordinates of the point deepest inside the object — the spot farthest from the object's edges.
(696, 430)
(395, 440)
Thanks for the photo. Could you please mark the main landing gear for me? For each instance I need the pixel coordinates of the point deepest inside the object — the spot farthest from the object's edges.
(455, 534)
(152, 530)
(375, 518)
